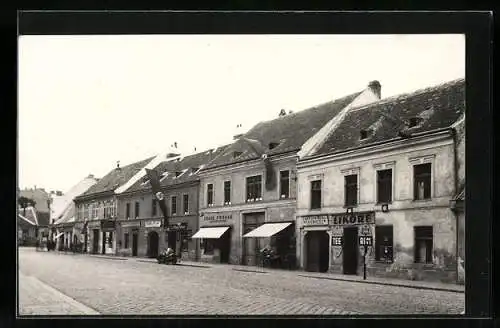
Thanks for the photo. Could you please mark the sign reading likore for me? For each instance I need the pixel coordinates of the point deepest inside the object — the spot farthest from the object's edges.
(355, 218)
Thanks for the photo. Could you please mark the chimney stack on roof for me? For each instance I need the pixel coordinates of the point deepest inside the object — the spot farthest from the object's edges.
(238, 133)
(376, 88)
(59, 193)
(91, 176)
(118, 165)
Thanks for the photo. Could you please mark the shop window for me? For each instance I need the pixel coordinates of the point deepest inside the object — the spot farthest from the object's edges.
(174, 205)
(351, 190)
(254, 188)
(125, 238)
(110, 239)
(284, 184)
(185, 238)
(185, 201)
(154, 207)
(127, 210)
(422, 181)
(208, 246)
(210, 194)
(423, 244)
(384, 186)
(384, 243)
(227, 192)
(137, 209)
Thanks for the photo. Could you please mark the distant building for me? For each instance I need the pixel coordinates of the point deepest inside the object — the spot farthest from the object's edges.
(141, 225)
(63, 213)
(389, 171)
(97, 209)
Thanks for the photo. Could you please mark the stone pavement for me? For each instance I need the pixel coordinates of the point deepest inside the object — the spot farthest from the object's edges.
(37, 298)
(141, 286)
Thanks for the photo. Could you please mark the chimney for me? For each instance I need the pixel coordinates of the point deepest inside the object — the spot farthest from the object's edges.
(376, 88)
(59, 193)
(91, 176)
(238, 133)
(118, 165)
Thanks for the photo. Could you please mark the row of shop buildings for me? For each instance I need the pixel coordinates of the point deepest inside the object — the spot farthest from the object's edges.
(313, 185)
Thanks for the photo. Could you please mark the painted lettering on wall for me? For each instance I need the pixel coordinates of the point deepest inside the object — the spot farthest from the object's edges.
(350, 219)
(217, 218)
(152, 224)
(315, 220)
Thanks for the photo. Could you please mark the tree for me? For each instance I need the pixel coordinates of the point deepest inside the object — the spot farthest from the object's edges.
(24, 202)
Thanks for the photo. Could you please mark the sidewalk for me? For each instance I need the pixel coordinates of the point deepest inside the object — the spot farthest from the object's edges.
(313, 275)
(38, 298)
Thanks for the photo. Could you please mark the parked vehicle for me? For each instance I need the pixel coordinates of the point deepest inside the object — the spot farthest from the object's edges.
(167, 256)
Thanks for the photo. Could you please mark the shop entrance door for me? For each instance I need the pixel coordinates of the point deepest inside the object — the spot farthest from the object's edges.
(172, 240)
(224, 247)
(318, 250)
(134, 244)
(252, 246)
(350, 250)
(153, 244)
(95, 241)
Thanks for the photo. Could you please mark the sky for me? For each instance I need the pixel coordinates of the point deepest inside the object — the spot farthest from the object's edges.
(86, 102)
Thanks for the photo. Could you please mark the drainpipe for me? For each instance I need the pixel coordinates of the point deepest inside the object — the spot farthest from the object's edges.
(453, 132)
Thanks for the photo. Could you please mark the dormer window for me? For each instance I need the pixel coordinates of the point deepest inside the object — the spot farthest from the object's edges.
(237, 154)
(363, 134)
(413, 122)
(273, 145)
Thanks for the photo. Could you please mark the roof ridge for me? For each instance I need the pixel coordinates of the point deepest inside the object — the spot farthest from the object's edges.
(406, 95)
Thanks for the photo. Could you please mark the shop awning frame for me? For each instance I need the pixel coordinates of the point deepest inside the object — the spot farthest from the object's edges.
(210, 232)
(267, 230)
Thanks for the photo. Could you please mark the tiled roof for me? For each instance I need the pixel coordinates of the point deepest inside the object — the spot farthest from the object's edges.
(29, 214)
(187, 168)
(24, 223)
(436, 107)
(116, 178)
(40, 196)
(290, 132)
(61, 203)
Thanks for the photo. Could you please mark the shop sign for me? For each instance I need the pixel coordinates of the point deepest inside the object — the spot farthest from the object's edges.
(337, 240)
(107, 224)
(152, 223)
(176, 227)
(313, 220)
(356, 218)
(94, 224)
(217, 218)
(130, 224)
(365, 241)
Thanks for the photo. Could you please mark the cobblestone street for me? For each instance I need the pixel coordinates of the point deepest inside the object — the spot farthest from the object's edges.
(137, 286)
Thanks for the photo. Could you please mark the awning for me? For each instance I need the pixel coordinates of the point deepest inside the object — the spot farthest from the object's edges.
(267, 229)
(210, 233)
(59, 235)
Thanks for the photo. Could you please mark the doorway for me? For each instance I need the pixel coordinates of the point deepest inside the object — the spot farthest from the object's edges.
(134, 243)
(224, 244)
(103, 250)
(95, 241)
(153, 244)
(172, 240)
(318, 251)
(251, 246)
(350, 250)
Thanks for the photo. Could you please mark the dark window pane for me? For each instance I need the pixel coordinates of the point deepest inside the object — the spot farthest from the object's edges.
(316, 194)
(210, 194)
(422, 181)
(186, 203)
(153, 208)
(174, 204)
(351, 190)
(227, 192)
(254, 188)
(384, 186)
(284, 184)
(384, 243)
(423, 244)
(137, 208)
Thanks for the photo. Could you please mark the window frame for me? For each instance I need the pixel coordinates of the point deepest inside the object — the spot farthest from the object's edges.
(227, 201)
(154, 207)
(422, 176)
(126, 240)
(426, 159)
(429, 250)
(391, 189)
(311, 191)
(356, 191)
(184, 207)
(137, 210)
(173, 205)
(280, 189)
(210, 191)
(378, 257)
(256, 185)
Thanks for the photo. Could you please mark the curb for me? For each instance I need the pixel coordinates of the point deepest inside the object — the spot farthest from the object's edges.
(387, 284)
